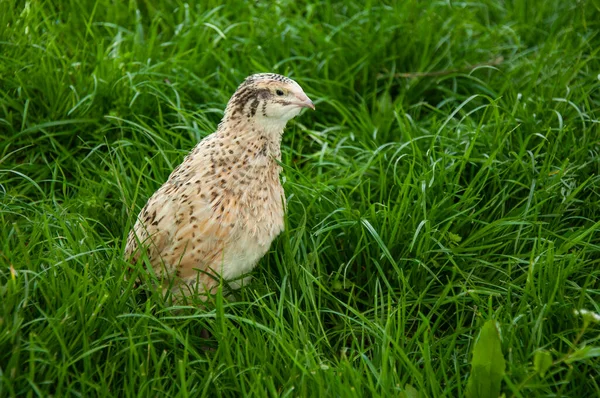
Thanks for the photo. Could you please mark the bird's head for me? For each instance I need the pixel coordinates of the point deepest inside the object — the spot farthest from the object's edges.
(268, 99)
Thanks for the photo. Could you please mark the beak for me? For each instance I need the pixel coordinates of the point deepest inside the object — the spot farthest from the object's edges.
(309, 104)
(305, 102)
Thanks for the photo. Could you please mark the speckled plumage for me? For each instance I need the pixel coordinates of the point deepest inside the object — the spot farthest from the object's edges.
(219, 211)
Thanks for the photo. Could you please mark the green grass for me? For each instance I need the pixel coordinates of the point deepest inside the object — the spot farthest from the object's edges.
(418, 208)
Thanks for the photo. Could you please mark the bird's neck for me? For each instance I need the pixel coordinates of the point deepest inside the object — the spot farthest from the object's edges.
(258, 136)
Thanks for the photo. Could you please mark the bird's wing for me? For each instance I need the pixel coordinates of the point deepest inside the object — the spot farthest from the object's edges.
(153, 228)
(185, 226)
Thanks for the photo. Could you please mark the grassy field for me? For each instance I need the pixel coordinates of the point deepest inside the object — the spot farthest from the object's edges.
(420, 206)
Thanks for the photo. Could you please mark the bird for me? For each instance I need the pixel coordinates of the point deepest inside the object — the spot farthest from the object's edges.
(219, 211)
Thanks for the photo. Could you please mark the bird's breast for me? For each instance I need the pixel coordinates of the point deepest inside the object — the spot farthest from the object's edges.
(263, 210)
(260, 220)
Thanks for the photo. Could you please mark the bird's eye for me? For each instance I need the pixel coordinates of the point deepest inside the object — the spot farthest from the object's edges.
(279, 92)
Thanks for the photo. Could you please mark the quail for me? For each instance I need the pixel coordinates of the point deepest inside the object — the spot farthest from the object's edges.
(218, 212)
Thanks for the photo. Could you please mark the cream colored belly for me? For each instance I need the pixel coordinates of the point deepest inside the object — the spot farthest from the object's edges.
(245, 249)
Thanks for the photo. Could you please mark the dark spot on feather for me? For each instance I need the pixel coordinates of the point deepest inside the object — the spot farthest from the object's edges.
(263, 150)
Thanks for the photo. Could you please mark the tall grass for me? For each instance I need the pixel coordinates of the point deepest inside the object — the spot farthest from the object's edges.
(418, 208)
